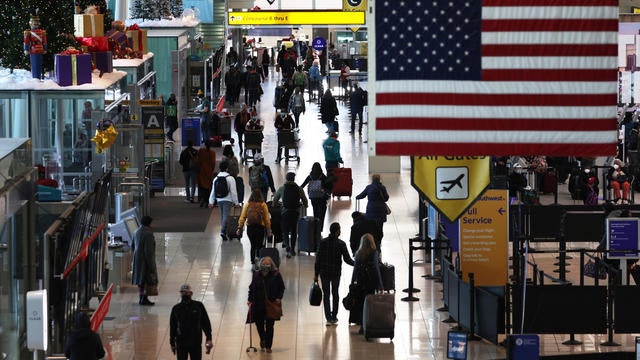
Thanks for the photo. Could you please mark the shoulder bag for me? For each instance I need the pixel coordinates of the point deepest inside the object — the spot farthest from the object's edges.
(388, 209)
(273, 310)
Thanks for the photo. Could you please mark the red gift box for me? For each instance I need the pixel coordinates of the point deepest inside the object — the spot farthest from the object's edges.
(94, 43)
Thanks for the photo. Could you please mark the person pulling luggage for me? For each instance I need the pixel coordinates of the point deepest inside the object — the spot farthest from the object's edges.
(292, 197)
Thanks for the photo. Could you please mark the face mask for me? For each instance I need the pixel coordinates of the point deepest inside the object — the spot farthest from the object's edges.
(282, 114)
(616, 166)
(264, 268)
(186, 297)
(586, 171)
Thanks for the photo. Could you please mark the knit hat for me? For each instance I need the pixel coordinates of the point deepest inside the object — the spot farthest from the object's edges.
(186, 288)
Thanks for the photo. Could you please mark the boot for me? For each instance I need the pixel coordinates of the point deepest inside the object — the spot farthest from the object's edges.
(145, 301)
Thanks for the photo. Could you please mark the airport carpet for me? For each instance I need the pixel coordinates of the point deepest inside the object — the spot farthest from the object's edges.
(172, 214)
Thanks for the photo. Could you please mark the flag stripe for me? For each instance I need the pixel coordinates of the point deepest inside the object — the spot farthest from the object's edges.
(542, 12)
(470, 149)
(557, 37)
(403, 98)
(550, 25)
(489, 136)
(549, 62)
(559, 3)
(549, 50)
(489, 112)
(513, 124)
(549, 75)
(494, 87)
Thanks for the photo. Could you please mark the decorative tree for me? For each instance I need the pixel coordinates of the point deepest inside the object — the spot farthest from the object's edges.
(102, 9)
(150, 9)
(177, 8)
(56, 17)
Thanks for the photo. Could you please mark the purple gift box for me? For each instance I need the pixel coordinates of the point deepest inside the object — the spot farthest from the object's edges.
(103, 61)
(117, 37)
(73, 69)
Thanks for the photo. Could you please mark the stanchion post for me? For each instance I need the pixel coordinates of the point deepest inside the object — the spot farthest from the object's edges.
(613, 281)
(410, 289)
(472, 309)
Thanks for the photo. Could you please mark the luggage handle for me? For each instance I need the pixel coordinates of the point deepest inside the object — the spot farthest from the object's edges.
(358, 205)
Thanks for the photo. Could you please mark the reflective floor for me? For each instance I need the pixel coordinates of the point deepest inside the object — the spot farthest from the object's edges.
(220, 273)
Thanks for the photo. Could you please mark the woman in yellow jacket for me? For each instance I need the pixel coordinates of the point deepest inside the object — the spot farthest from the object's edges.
(256, 214)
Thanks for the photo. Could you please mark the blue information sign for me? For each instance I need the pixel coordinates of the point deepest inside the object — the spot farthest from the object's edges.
(456, 345)
(432, 230)
(622, 238)
(319, 43)
(525, 347)
(191, 131)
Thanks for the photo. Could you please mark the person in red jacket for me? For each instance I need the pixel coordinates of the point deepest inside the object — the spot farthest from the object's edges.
(35, 45)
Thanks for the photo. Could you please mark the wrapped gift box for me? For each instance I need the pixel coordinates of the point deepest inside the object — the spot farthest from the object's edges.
(103, 61)
(73, 69)
(94, 43)
(138, 40)
(88, 25)
(117, 38)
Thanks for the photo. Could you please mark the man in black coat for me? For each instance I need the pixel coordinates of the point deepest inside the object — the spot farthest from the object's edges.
(189, 319)
(331, 252)
(362, 225)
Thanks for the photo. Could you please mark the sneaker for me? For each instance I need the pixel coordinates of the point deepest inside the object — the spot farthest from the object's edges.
(288, 255)
(293, 253)
(224, 237)
(334, 321)
(269, 351)
(186, 200)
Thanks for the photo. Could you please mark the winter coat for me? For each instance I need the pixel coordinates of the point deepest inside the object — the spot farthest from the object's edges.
(377, 196)
(144, 257)
(274, 290)
(328, 109)
(83, 344)
(206, 167)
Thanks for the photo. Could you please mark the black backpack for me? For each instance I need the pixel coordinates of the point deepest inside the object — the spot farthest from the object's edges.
(221, 186)
(291, 197)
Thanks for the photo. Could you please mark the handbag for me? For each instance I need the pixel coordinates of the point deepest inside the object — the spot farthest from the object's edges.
(151, 289)
(273, 310)
(388, 209)
(352, 297)
(315, 294)
(590, 270)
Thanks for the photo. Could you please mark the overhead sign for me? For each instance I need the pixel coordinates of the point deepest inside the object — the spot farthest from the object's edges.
(319, 43)
(238, 18)
(354, 5)
(622, 238)
(484, 239)
(451, 183)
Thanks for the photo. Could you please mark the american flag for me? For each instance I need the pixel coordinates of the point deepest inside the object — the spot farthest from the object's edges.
(495, 77)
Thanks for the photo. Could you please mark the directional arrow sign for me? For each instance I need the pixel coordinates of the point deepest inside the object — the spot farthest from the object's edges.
(451, 183)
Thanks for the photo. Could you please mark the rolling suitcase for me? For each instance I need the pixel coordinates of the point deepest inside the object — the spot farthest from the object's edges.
(378, 316)
(231, 227)
(271, 252)
(275, 212)
(308, 234)
(388, 273)
(549, 182)
(343, 183)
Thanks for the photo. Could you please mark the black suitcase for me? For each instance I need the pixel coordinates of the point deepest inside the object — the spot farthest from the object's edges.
(388, 273)
(378, 316)
(308, 234)
(231, 226)
(271, 252)
(275, 210)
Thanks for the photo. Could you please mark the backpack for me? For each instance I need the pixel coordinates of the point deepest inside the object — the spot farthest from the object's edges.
(193, 161)
(257, 177)
(221, 187)
(315, 189)
(291, 197)
(365, 98)
(254, 214)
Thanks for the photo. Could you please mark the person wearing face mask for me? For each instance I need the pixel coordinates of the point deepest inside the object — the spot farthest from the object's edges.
(618, 180)
(266, 285)
(189, 319)
(589, 182)
(283, 122)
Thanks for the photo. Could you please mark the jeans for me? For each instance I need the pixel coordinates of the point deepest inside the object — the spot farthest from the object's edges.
(190, 184)
(225, 208)
(240, 142)
(256, 238)
(319, 210)
(194, 350)
(355, 112)
(330, 286)
(289, 223)
(265, 330)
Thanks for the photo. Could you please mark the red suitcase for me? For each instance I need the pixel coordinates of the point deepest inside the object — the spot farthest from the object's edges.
(343, 182)
(549, 182)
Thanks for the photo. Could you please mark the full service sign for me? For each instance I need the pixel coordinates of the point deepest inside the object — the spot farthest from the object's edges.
(484, 239)
(237, 18)
(622, 238)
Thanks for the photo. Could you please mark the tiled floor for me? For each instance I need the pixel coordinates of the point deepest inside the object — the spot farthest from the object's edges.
(220, 273)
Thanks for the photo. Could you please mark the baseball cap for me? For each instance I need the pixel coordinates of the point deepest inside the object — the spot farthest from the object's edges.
(258, 156)
(186, 288)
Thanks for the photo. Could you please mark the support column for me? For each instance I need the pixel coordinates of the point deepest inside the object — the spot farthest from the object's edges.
(384, 164)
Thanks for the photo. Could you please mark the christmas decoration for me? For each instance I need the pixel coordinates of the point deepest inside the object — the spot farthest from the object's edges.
(35, 44)
(177, 8)
(138, 38)
(105, 136)
(150, 9)
(91, 23)
(73, 68)
(101, 7)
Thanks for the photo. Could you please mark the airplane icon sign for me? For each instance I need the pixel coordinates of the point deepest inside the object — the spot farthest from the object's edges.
(452, 183)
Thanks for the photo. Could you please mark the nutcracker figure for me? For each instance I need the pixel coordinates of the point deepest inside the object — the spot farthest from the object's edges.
(35, 44)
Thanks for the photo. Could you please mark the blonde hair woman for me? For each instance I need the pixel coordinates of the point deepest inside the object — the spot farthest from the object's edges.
(366, 273)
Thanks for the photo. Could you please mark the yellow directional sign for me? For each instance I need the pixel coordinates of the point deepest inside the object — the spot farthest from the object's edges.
(316, 17)
(354, 5)
(451, 183)
(484, 239)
